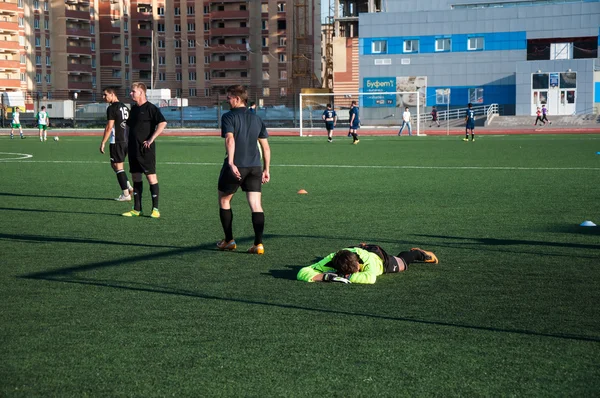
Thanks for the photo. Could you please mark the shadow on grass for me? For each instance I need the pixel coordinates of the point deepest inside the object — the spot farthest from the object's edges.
(59, 211)
(44, 239)
(576, 229)
(22, 195)
(65, 275)
(289, 273)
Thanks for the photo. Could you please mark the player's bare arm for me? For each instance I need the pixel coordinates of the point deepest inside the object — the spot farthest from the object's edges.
(230, 149)
(159, 129)
(107, 130)
(266, 150)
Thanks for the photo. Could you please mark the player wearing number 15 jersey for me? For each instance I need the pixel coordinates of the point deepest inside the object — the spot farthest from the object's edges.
(116, 131)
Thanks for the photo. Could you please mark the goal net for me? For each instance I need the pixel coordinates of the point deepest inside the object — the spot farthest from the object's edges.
(377, 111)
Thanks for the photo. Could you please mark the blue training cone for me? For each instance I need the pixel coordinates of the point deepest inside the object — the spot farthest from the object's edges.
(587, 224)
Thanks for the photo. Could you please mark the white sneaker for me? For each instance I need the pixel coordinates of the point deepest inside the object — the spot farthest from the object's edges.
(124, 198)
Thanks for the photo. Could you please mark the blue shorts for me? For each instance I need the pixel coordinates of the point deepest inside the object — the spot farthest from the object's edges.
(355, 126)
(329, 125)
(471, 125)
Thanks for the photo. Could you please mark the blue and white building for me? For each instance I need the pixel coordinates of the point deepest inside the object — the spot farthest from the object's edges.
(519, 54)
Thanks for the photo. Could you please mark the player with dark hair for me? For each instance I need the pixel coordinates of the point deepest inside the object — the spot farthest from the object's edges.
(330, 118)
(116, 130)
(362, 264)
(470, 123)
(252, 107)
(146, 123)
(354, 123)
(243, 132)
(545, 115)
(434, 117)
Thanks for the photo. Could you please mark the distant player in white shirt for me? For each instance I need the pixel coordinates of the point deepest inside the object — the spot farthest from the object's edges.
(43, 123)
(405, 122)
(16, 123)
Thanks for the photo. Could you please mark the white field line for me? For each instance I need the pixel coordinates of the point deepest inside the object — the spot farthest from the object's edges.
(330, 166)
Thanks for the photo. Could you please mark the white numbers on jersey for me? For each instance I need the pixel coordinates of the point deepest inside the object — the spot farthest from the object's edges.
(124, 112)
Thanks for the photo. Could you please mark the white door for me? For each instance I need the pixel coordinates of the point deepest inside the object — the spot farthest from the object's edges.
(539, 98)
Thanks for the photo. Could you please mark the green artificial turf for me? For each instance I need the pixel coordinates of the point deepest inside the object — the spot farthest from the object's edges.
(95, 304)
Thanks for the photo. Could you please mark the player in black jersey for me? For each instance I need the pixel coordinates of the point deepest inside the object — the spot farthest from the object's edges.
(116, 131)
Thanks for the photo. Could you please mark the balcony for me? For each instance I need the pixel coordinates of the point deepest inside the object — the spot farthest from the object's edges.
(7, 26)
(244, 32)
(80, 85)
(9, 64)
(10, 46)
(228, 48)
(229, 15)
(78, 32)
(10, 84)
(228, 65)
(228, 81)
(79, 50)
(79, 68)
(9, 8)
(76, 14)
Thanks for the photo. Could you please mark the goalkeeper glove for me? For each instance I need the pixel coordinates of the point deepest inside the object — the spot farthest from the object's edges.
(333, 277)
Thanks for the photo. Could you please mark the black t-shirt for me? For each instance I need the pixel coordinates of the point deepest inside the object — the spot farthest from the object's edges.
(118, 112)
(247, 128)
(142, 123)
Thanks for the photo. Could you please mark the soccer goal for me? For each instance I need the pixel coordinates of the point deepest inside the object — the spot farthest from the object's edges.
(377, 111)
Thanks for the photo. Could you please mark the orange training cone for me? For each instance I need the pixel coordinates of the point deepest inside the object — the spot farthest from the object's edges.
(302, 191)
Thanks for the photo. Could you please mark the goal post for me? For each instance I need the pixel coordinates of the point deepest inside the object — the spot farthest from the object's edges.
(381, 111)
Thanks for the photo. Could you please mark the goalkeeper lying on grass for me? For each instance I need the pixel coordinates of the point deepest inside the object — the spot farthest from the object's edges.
(362, 264)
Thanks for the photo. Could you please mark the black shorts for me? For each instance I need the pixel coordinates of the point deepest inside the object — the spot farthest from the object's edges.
(142, 161)
(251, 179)
(118, 152)
(329, 126)
(390, 264)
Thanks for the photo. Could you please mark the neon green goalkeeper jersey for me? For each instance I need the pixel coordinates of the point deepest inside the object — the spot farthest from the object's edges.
(370, 269)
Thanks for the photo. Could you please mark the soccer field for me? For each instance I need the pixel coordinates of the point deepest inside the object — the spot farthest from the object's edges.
(95, 304)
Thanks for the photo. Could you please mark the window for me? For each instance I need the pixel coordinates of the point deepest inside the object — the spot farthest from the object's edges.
(92, 29)
(21, 40)
(162, 76)
(191, 43)
(47, 24)
(192, 92)
(45, 6)
(280, 7)
(23, 78)
(265, 41)
(36, 23)
(161, 60)
(94, 62)
(243, 73)
(161, 11)
(177, 43)
(265, 59)
(92, 11)
(442, 44)
(206, 45)
(281, 24)
(265, 75)
(23, 59)
(116, 73)
(561, 51)
(282, 57)
(93, 46)
(192, 59)
(264, 8)
(207, 92)
(475, 43)
(192, 76)
(206, 60)
(126, 59)
(264, 24)
(160, 27)
(206, 26)
(125, 26)
(476, 95)
(94, 81)
(126, 42)
(243, 24)
(38, 42)
(21, 22)
(411, 46)
(442, 96)
(20, 4)
(177, 27)
(242, 7)
(38, 78)
(36, 4)
(47, 41)
(126, 75)
(191, 10)
(266, 91)
(178, 76)
(283, 75)
(379, 47)
(178, 60)
(191, 27)
(177, 11)
(282, 41)
(177, 93)
(161, 44)
(283, 91)
(38, 59)
(48, 63)
(206, 10)
(48, 78)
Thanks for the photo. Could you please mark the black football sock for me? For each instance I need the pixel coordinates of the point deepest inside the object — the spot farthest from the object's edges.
(137, 195)
(122, 179)
(472, 136)
(411, 256)
(154, 194)
(226, 216)
(354, 137)
(258, 223)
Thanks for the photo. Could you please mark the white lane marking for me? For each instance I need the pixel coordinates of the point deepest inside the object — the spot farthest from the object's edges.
(21, 156)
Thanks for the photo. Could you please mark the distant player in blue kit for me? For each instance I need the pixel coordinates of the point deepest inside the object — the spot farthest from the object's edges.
(470, 119)
(354, 123)
(330, 118)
